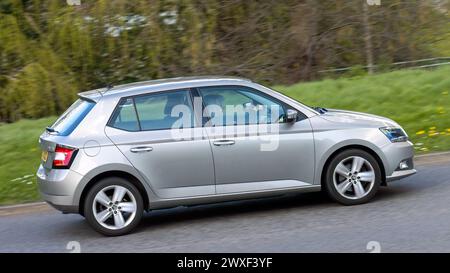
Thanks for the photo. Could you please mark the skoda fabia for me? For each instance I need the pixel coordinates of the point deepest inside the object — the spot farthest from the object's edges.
(120, 151)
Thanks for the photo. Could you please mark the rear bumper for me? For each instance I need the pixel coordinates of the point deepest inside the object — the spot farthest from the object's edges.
(57, 188)
(58, 202)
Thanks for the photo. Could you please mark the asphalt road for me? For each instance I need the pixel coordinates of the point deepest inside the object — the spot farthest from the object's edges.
(410, 215)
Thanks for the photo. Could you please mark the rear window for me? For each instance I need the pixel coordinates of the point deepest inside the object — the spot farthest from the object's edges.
(70, 119)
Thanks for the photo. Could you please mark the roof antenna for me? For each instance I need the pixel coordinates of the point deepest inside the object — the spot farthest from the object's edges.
(108, 86)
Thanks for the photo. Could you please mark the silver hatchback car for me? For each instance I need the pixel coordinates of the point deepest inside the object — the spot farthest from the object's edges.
(120, 151)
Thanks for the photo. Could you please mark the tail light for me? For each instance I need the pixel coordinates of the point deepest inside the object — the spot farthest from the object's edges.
(63, 157)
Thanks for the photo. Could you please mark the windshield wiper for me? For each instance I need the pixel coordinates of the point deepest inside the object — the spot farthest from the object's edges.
(51, 130)
(320, 109)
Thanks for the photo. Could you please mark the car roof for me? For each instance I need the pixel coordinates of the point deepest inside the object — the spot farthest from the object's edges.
(160, 84)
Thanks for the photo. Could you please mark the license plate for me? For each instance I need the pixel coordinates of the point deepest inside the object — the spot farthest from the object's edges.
(44, 156)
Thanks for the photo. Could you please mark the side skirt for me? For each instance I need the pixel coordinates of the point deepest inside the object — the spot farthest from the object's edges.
(217, 198)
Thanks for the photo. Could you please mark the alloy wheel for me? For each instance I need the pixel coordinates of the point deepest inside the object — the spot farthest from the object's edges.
(114, 207)
(354, 177)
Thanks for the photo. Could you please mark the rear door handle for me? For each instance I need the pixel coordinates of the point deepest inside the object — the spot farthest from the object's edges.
(223, 142)
(142, 149)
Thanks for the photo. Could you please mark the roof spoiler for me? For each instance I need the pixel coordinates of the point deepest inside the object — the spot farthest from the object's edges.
(92, 95)
(96, 94)
(89, 98)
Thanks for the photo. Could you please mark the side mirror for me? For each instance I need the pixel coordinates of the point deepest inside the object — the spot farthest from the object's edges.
(291, 115)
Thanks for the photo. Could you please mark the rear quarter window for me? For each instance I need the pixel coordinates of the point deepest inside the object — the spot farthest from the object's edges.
(124, 116)
(72, 117)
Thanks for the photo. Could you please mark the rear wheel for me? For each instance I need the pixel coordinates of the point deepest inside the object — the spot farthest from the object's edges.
(352, 177)
(113, 206)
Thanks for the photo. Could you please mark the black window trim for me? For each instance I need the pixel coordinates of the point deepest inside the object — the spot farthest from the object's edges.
(137, 115)
(195, 92)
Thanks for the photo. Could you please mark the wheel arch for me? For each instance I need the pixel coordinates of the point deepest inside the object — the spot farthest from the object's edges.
(354, 146)
(114, 173)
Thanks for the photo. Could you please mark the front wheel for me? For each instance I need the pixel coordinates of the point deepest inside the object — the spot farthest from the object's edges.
(113, 206)
(352, 177)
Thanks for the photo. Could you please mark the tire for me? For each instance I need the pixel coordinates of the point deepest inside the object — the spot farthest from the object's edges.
(121, 215)
(352, 188)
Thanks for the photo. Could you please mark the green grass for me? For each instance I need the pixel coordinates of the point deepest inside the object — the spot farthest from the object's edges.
(19, 160)
(418, 100)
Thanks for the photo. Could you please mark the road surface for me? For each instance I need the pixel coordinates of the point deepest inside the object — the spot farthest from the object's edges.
(410, 215)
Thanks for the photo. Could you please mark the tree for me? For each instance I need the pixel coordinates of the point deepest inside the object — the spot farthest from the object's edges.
(58, 50)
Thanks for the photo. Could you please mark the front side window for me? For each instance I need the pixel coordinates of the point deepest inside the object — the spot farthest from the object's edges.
(235, 105)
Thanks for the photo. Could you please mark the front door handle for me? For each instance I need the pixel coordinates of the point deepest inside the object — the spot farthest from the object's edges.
(223, 142)
(141, 149)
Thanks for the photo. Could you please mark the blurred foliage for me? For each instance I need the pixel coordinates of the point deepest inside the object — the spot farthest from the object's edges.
(49, 50)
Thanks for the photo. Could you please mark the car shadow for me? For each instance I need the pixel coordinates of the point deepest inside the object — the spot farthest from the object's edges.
(163, 217)
(166, 217)
(77, 226)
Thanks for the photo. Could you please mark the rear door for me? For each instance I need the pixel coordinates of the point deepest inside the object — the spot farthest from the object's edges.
(160, 136)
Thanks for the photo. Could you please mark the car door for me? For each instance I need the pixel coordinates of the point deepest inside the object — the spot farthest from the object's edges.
(158, 133)
(254, 151)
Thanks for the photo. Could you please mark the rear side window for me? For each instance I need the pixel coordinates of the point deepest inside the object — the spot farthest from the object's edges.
(125, 116)
(70, 119)
(159, 111)
(167, 110)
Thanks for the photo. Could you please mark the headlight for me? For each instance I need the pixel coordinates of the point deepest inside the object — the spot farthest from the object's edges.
(394, 134)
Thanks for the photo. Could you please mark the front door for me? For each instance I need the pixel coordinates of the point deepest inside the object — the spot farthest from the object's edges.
(254, 148)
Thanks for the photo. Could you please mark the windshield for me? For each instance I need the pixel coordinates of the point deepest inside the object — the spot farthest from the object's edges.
(70, 119)
(292, 99)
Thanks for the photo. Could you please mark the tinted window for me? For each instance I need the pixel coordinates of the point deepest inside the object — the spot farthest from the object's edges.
(233, 105)
(70, 119)
(167, 110)
(125, 116)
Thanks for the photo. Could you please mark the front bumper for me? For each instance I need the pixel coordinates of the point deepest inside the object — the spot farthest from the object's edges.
(57, 188)
(400, 174)
(395, 153)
